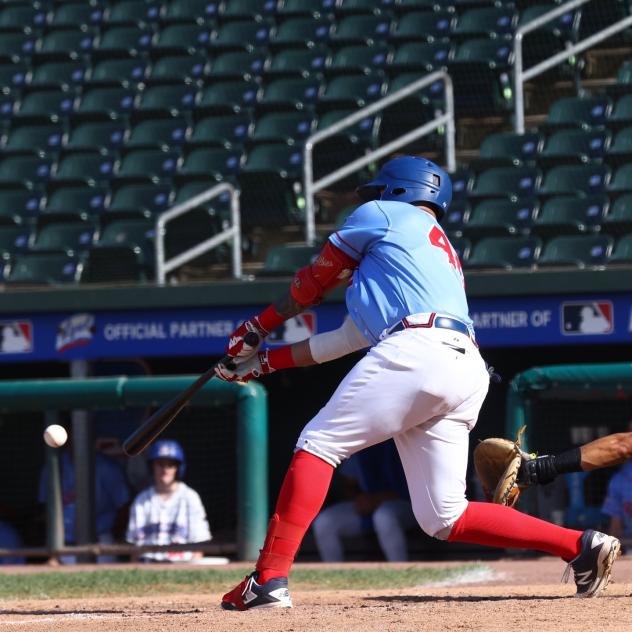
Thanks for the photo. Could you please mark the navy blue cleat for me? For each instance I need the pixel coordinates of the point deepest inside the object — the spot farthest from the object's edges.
(593, 565)
(249, 594)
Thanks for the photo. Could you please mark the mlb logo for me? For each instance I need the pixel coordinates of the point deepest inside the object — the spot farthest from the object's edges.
(588, 318)
(293, 330)
(16, 336)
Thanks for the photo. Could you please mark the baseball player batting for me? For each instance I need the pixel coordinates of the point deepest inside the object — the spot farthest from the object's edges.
(422, 383)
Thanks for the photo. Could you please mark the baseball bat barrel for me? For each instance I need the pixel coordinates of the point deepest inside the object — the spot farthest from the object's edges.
(147, 432)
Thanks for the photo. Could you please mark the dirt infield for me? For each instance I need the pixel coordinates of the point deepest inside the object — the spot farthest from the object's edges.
(512, 595)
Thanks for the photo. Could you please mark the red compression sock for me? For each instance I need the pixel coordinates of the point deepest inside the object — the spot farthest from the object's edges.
(302, 495)
(496, 525)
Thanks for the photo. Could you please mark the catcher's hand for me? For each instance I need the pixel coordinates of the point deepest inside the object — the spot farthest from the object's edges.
(498, 467)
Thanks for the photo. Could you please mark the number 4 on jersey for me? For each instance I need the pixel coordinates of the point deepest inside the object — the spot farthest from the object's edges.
(439, 240)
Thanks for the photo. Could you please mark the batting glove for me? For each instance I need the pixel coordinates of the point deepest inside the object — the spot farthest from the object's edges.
(238, 348)
(245, 371)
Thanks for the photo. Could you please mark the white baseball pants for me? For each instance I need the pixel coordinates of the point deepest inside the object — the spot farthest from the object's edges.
(423, 387)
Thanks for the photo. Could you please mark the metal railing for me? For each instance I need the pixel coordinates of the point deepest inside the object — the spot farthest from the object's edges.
(521, 76)
(163, 267)
(447, 119)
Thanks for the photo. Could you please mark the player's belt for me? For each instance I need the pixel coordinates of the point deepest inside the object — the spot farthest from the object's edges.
(431, 320)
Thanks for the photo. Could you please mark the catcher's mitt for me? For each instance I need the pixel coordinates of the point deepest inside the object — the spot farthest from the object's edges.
(497, 463)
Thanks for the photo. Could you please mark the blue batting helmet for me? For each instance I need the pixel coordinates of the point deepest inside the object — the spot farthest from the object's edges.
(168, 449)
(413, 180)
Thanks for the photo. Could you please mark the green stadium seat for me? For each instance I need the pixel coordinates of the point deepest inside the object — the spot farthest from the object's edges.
(121, 41)
(178, 68)
(133, 233)
(462, 247)
(621, 115)
(166, 100)
(244, 9)
(576, 250)
(103, 135)
(228, 97)
(8, 106)
(16, 46)
(137, 201)
(113, 264)
(158, 133)
(350, 7)
(62, 74)
(356, 90)
(583, 112)
(574, 146)
(43, 106)
(153, 165)
(286, 259)
(44, 268)
(69, 237)
(209, 162)
(622, 180)
(360, 58)
(198, 11)
(361, 29)
(218, 208)
(570, 214)
(241, 35)
(25, 171)
(480, 71)
(283, 127)
(622, 252)
(65, 44)
(13, 240)
(572, 179)
(106, 103)
(499, 217)
(620, 150)
(34, 139)
(267, 183)
(485, 22)
(314, 8)
(229, 131)
(291, 93)
(18, 204)
(405, 6)
(462, 180)
(421, 56)
(85, 168)
(119, 72)
(507, 148)
(74, 202)
(504, 252)
(455, 218)
(76, 15)
(302, 32)
(134, 12)
(239, 64)
(14, 75)
(618, 221)
(179, 39)
(22, 17)
(418, 26)
(364, 132)
(512, 182)
(299, 62)
(624, 74)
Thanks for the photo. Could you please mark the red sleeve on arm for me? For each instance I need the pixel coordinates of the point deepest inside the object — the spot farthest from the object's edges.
(313, 281)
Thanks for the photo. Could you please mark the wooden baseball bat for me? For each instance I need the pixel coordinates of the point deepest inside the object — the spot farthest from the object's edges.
(147, 432)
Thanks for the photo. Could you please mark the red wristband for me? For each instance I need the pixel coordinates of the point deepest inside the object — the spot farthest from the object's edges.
(269, 319)
(281, 358)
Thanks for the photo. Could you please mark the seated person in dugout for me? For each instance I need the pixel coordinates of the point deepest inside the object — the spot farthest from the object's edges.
(169, 511)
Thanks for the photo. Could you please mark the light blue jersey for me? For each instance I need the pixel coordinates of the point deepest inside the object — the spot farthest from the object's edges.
(407, 266)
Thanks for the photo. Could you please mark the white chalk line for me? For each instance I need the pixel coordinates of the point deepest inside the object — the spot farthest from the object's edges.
(477, 575)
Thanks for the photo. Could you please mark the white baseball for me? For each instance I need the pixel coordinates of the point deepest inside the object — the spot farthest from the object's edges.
(55, 436)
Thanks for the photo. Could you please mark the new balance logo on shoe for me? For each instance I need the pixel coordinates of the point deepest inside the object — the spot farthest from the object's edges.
(582, 578)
